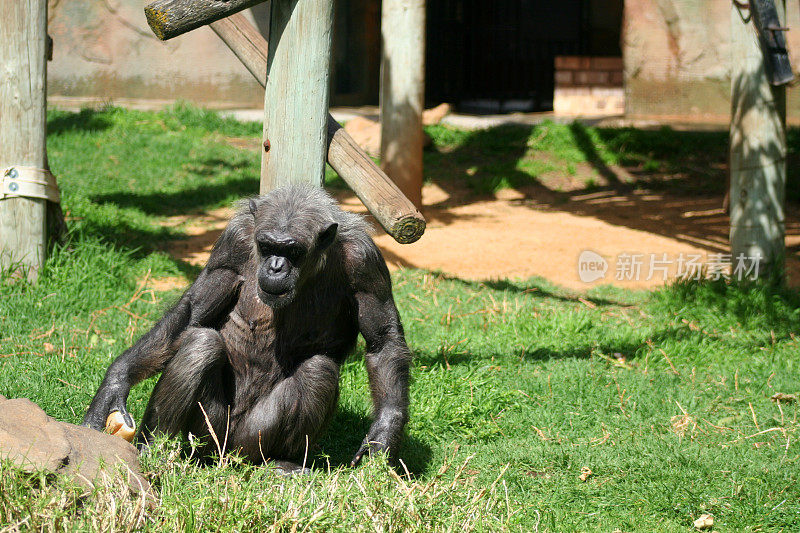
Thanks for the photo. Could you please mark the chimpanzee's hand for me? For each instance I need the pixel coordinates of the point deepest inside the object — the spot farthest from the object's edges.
(107, 400)
(376, 441)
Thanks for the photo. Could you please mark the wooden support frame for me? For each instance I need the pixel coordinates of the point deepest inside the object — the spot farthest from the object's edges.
(170, 18)
(757, 153)
(403, 94)
(296, 94)
(23, 54)
(396, 214)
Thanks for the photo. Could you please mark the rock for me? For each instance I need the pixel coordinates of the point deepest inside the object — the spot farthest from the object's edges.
(366, 133)
(36, 442)
(436, 114)
(705, 521)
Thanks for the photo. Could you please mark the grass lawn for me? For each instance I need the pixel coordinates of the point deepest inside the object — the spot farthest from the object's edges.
(517, 385)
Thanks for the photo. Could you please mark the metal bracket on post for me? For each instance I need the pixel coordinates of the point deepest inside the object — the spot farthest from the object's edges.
(29, 182)
(773, 41)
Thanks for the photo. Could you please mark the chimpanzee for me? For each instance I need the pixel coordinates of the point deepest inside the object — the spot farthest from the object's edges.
(253, 348)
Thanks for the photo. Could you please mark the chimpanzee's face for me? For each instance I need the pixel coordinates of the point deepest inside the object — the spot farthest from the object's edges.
(280, 262)
(289, 249)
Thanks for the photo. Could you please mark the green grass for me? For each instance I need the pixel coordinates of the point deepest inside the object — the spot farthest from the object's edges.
(517, 385)
(511, 156)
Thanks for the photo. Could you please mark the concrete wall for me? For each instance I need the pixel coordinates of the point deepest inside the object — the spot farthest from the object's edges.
(677, 57)
(105, 48)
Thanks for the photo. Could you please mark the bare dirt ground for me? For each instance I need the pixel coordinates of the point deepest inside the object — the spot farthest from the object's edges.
(520, 233)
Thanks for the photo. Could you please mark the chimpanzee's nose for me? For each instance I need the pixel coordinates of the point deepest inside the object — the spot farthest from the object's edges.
(277, 265)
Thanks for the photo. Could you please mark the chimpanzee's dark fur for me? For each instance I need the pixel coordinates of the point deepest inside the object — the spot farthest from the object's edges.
(258, 339)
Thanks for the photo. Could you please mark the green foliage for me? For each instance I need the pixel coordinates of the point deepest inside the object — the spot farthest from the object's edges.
(517, 385)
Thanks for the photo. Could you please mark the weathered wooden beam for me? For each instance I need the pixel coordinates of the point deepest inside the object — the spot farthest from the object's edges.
(23, 56)
(170, 18)
(757, 153)
(395, 213)
(403, 93)
(297, 93)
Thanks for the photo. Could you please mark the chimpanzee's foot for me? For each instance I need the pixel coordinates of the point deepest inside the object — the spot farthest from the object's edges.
(288, 468)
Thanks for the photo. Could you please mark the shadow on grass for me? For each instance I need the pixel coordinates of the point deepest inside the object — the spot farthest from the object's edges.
(88, 120)
(485, 161)
(673, 183)
(586, 145)
(139, 243)
(686, 311)
(767, 304)
(539, 288)
(626, 349)
(191, 199)
(345, 434)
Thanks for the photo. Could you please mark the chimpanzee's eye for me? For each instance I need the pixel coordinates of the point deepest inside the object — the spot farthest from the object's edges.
(265, 249)
(294, 253)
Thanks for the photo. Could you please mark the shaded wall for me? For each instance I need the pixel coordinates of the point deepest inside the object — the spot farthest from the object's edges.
(676, 53)
(104, 48)
(677, 57)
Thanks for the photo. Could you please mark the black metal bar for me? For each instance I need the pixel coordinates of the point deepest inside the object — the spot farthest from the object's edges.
(772, 40)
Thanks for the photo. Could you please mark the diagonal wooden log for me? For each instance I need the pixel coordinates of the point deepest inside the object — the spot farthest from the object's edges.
(384, 200)
(170, 18)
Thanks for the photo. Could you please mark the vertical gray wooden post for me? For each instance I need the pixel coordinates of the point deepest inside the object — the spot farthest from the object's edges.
(757, 151)
(297, 93)
(403, 94)
(23, 67)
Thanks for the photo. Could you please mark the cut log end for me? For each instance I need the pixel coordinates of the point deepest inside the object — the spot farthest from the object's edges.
(157, 20)
(408, 229)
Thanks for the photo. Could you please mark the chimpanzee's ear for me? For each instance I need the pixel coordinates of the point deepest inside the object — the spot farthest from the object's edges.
(327, 236)
(253, 206)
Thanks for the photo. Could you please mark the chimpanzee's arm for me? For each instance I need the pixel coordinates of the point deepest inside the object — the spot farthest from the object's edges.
(201, 305)
(387, 358)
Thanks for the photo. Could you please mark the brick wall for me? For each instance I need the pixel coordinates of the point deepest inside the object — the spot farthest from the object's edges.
(577, 71)
(588, 86)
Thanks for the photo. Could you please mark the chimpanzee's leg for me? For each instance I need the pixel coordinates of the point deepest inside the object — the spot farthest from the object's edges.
(195, 375)
(283, 424)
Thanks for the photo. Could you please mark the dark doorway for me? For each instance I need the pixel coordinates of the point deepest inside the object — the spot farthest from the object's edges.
(482, 56)
(494, 57)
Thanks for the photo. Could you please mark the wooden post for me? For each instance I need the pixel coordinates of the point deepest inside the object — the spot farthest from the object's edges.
(757, 151)
(379, 194)
(23, 60)
(297, 93)
(402, 94)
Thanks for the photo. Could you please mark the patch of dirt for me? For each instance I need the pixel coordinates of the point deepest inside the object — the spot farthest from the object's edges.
(520, 233)
(243, 143)
(167, 283)
(202, 230)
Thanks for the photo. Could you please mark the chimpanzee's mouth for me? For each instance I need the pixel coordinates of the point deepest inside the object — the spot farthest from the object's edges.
(276, 300)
